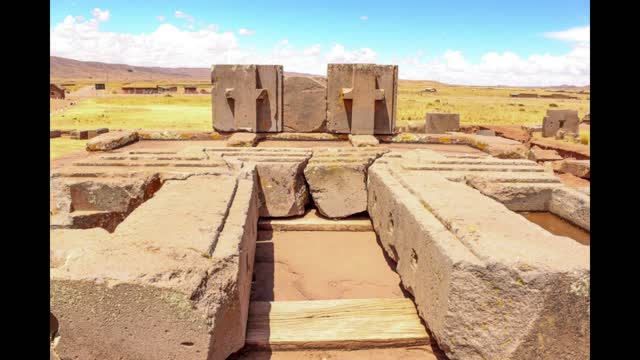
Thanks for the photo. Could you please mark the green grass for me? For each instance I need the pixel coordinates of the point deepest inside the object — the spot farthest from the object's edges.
(185, 112)
(585, 137)
(62, 146)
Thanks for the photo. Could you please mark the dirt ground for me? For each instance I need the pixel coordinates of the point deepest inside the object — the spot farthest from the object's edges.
(292, 265)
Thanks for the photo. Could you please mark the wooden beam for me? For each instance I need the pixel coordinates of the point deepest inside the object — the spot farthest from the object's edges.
(326, 324)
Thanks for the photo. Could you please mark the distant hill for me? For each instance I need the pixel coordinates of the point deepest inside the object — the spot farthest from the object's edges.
(69, 69)
(63, 68)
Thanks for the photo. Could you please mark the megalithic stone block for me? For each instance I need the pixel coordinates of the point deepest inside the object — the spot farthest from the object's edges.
(247, 97)
(361, 98)
(555, 120)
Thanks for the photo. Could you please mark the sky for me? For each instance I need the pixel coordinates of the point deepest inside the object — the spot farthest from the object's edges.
(468, 42)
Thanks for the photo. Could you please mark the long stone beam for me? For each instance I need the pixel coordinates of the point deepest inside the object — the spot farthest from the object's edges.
(488, 283)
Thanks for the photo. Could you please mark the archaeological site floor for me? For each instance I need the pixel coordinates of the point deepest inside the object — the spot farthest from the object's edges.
(308, 249)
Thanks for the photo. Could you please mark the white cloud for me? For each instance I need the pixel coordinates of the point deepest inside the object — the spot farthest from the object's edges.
(364, 17)
(509, 68)
(573, 35)
(182, 15)
(171, 46)
(101, 15)
(246, 32)
(160, 18)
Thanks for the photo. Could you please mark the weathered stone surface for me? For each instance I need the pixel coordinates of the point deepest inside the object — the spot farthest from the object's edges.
(242, 140)
(54, 134)
(555, 120)
(361, 98)
(80, 134)
(160, 287)
(579, 168)
(84, 203)
(305, 104)
(247, 97)
(538, 154)
(487, 282)
(178, 135)
(363, 140)
(337, 180)
(438, 123)
(112, 140)
(282, 190)
(572, 205)
(517, 196)
(485, 132)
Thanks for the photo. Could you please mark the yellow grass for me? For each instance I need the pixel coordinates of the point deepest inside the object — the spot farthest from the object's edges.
(476, 105)
(62, 146)
(479, 105)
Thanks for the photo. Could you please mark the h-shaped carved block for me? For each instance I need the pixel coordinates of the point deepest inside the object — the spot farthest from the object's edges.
(247, 97)
(361, 98)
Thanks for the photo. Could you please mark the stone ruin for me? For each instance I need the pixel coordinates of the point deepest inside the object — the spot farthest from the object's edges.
(566, 121)
(152, 251)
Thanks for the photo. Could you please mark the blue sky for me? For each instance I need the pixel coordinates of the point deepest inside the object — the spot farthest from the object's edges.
(462, 41)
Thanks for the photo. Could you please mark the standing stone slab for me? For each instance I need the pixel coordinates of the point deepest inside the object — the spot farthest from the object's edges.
(361, 98)
(555, 120)
(438, 123)
(305, 104)
(247, 98)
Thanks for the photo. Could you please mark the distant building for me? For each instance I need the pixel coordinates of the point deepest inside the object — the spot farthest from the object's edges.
(56, 92)
(168, 89)
(558, 96)
(100, 86)
(430, 90)
(140, 89)
(524, 95)
(190, 90)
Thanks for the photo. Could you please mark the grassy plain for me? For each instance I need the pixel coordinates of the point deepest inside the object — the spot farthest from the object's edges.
(476, 105)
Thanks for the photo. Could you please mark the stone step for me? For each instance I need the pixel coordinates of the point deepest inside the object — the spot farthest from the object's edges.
(312, 221)
(326, 324)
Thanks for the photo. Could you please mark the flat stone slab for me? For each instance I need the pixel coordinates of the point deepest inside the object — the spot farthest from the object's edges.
(363, 140)
(475, 268)
(538, 154)
(160, 286)
(112, 140)
(179, 135)
(242, 140)
(305, 104)
(579, 168)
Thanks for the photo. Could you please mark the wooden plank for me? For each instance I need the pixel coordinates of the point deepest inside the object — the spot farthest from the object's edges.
(312, 221)
(325, 324)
